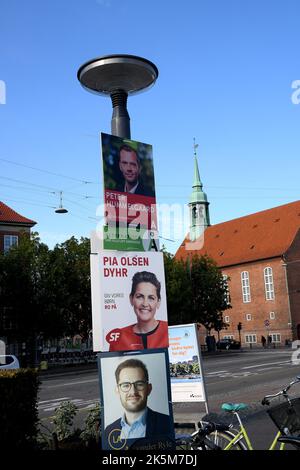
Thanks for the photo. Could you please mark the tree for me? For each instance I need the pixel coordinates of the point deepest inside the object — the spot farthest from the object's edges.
(46, 292)
(24, 291)
(71, 273)
(209, 293)
(178, 289)
(196, 291)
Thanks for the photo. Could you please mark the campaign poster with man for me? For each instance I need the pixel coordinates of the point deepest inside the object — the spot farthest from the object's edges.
(129, 188)
(136, 398)
(129, 306)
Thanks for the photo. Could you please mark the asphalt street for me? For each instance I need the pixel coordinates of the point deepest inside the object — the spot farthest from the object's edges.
(233, 376)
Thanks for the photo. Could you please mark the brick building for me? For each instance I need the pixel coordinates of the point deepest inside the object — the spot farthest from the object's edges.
(260, 255)
(11, 225)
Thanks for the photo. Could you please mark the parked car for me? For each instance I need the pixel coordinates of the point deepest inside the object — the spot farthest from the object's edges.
(9, 361)
(228, 343)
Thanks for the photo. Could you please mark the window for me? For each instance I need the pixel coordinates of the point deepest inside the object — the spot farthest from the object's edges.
(272, 315)
(227, 319)
(269, 284)
(9, 241)
(227, 293)
(248, 316)
(228, 337)
(246, 287)
(250, 339)
(276, 337)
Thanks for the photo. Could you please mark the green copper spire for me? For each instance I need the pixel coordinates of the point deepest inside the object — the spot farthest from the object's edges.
(197, 195)
(199, 213)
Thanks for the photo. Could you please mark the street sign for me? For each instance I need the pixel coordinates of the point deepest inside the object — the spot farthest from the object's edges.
(267, 323)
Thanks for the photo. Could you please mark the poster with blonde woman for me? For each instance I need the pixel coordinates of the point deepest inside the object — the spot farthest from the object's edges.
(129, 301)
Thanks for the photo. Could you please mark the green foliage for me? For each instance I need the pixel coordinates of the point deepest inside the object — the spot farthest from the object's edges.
(23, 279)
(63, 420)
(196, 291)
(47, 291)
(18, 408)
(179, 290)
(92, 424)
(71, 275)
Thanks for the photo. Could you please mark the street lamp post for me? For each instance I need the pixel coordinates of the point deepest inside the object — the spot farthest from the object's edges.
(118, 76)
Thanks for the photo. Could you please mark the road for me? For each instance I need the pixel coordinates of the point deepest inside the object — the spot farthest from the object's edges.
(242, 376)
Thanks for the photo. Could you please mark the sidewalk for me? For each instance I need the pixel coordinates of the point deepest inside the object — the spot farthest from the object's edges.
(59, 369)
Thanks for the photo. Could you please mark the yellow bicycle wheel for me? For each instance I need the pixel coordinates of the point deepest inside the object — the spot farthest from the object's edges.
(221, 439)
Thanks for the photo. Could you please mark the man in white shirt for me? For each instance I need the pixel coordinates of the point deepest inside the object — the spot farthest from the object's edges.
(138, 420)
(130, 167)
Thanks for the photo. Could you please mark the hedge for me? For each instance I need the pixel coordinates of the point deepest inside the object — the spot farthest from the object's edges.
(18, 408)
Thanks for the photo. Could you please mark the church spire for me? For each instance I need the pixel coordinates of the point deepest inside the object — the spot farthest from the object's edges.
(199, 212)
(197, 180)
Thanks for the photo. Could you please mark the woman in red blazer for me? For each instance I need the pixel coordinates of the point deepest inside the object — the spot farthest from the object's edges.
(147, 332)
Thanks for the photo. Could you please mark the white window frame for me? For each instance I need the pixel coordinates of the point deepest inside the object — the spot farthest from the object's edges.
(269, 283)
(276, 338)
(226, 319)
(250, 338)
(272, 316)
(9, 241)
(228, 337)
(248, 316)
(246, 287)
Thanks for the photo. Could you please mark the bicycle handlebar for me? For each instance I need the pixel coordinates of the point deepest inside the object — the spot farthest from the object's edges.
(267, 399)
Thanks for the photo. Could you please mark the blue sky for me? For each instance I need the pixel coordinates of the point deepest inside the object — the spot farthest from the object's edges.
(226, 73)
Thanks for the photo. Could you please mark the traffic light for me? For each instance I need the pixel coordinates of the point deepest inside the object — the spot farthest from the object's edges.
(239, 327)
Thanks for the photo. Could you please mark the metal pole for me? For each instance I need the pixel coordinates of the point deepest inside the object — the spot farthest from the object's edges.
(120, 122)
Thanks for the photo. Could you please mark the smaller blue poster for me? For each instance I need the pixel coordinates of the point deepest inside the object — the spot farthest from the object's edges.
(187, 381)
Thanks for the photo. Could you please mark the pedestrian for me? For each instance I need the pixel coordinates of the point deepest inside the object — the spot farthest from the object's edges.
(263, 341)
(269, 340)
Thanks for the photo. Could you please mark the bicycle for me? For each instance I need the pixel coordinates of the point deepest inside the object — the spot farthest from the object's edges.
(198, 440)
(286, 417)
(293, 440)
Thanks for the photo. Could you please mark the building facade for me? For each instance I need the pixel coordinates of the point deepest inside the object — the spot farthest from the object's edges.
(259, 255)
(11, 226)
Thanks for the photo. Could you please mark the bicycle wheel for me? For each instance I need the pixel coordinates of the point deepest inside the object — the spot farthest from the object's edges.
(221, 439)
(184, 442)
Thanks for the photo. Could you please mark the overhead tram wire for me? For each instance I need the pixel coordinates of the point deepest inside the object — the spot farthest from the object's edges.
(158, 185)
(47, 189)
(25, 202)
(44, 171)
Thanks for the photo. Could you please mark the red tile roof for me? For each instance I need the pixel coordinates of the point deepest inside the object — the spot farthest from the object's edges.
(9, 216)
(262, 235)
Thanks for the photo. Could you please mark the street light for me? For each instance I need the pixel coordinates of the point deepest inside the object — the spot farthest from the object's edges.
(118, 76)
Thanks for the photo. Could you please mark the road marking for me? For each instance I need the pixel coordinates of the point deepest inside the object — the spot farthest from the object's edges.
(54, 399)
(216, 372)
(267, 364)
(51, 405)
(72, 383)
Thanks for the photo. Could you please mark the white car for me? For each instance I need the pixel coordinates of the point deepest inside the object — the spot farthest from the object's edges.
(9, 362)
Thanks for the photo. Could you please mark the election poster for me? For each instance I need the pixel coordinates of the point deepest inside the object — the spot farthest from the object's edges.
(187, 380)
(136, 400)
(129, 307)
(129, 190)
(129, 238)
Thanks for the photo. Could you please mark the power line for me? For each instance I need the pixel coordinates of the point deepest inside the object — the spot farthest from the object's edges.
(48, 189)
(44, 171)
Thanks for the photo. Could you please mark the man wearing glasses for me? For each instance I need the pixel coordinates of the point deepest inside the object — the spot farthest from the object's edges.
(139, 420)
